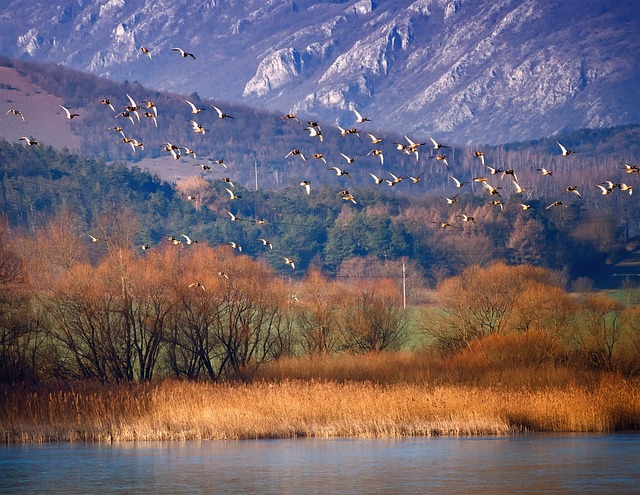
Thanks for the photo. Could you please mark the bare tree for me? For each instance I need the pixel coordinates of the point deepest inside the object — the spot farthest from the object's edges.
(603, 323)
(377, 320)
(251, 318)
(319, 314)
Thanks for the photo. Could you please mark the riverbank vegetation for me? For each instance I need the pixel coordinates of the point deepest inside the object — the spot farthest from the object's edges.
(197, 342)
(184, 410)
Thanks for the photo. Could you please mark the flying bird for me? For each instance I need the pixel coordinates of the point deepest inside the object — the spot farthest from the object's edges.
(492, 190)
(395, 180)
(107, 102)
(194, 109)
(188, 239)
(625, 187)
(266, 243)
(15, 112)
(197, 128)
(452, 200)
(443, 225)
(376, 179)
(347, 196)
(219, 161)
(511, 173)
(173, 149)
(441, 158)
(545, 171)
(377, 153)
(359, 118)
(457, 182)
(117, 129)
(352, 130)
(146, 51)
(437, 145)
(519, 189)
(611, 185)
(133, 107)
(306, 184)
(197, 285)
(183, 53)
(340, 172)
(69, 114)
(235, 245)
(221, 114)
(127, 115)
(232, 194)
(574, 190)
(189, 151)
(556, 203)
(289, 262)
(348, 158)
(466, 218)
(315, 132)
(228, 181)
(479, 154)
(374, 140)
(29, 141)
(320, 156)
(290, 116)
(152, 116)
(296, 152)
(564, 150)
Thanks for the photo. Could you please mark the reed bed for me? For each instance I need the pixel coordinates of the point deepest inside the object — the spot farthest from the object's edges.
(173, 410)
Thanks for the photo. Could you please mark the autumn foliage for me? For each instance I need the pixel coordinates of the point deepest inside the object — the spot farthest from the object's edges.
(74, 308)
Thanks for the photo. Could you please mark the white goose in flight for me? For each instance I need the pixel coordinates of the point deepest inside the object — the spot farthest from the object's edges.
(183, 53)
(69, 114)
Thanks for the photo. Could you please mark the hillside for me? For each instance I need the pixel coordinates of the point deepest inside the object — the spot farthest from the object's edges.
(470, 72)
(425, 220)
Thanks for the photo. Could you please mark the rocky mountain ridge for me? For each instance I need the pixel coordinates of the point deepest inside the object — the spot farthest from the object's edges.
(467, 71)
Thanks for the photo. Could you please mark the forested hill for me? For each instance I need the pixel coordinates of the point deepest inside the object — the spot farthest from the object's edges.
(371, 235)
(400, 201)
(256, 142)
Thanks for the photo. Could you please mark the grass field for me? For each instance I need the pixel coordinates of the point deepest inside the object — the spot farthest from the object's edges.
(379, 397)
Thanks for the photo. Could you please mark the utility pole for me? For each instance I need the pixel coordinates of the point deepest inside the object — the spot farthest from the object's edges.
(404, 286)
(255, 166)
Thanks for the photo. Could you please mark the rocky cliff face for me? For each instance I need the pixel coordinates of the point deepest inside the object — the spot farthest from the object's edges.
(464, 70)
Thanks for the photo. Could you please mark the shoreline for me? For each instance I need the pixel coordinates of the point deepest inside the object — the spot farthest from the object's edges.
(174, 410)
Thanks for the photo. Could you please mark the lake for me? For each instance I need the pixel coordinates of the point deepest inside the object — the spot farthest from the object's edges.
(533, 463)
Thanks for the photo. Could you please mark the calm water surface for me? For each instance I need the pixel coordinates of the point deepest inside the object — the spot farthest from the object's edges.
(549, 464)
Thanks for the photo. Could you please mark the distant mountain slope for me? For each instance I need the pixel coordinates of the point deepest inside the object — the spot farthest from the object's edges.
(469, 71)
(259, 143)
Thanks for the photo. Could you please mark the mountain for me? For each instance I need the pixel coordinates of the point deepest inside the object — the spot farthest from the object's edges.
(468, 71)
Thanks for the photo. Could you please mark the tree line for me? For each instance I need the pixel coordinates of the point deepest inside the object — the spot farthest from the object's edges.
(320, 228)
(198, 313)
(208, 313)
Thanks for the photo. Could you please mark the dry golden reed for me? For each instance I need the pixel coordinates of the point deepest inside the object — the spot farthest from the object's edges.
(173, 410)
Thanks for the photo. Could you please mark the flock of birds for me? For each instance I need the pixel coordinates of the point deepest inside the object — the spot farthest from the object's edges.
(134, 113)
